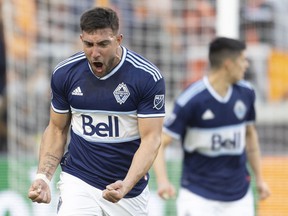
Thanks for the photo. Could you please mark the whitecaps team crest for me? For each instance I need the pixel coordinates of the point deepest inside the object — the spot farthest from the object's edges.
(240, 109)
(121, 93)
(158, 101)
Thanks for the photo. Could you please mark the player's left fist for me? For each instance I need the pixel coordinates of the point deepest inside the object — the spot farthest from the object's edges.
(114, 192)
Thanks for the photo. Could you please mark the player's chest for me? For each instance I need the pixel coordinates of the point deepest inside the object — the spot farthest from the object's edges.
(93, 94)
(214, 114)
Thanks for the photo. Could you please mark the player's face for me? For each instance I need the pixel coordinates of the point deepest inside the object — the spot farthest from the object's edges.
(102, 49)
(239, 67)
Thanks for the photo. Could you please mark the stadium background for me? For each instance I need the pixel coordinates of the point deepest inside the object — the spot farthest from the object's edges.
(37, 34)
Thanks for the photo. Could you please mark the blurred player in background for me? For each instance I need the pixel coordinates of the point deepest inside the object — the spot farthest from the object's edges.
(113, 99)
(214, 120)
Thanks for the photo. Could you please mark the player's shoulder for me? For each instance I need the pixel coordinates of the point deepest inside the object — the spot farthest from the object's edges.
(245, 85)
(192, 91)
(142, 66)
(70, 62)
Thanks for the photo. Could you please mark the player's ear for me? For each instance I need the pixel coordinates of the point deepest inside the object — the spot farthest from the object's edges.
(119, 38)
(227, 63)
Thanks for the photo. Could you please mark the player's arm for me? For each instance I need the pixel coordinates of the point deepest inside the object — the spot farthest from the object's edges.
(150, 133)
(51, 151)
(254, 158)
(165, 188)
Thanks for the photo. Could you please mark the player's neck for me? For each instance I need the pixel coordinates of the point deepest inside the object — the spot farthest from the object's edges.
(118, 56)
(219, 83)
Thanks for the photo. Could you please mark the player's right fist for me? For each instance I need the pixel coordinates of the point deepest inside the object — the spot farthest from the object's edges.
(39, 192)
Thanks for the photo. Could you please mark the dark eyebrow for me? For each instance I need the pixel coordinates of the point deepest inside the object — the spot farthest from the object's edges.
(87, 42)
(104, 42)
(98, 43)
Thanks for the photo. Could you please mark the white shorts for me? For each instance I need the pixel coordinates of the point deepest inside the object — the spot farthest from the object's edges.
(79, 198)
(191, 204)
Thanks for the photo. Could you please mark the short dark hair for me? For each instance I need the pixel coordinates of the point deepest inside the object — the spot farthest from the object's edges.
(222, 48)
(99, 18)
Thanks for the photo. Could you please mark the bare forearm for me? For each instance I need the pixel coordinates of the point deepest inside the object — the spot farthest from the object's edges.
(142, 162)
(150, 133)
(254, 159)
(160, 167)
(254, 154)
(51, 152)
(160, 162)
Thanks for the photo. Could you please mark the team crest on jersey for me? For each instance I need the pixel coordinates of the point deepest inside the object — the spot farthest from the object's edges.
(240, 109)
(121, 93)
(158, 101)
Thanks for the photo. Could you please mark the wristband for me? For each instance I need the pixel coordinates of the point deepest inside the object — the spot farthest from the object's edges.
(43, 177)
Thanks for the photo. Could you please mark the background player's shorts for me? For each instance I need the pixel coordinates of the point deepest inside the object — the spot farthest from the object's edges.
(79, 198)
(194, 205)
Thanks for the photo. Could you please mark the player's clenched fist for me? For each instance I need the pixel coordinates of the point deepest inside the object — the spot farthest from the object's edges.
(114, 192)
(39, 192)
(166, 190)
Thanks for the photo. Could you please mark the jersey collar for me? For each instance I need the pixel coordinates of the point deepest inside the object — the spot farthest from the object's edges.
(116, 68)
(215, 94)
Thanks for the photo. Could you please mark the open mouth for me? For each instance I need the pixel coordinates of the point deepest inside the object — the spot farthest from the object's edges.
(98, 66)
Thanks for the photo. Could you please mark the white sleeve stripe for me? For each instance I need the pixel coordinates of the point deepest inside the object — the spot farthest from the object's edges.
(69, 62)
(141, 61)
(151, 115)
(191, 92)
(155, 78)
(172, 134)
(70, 58)
(245, 84)
(59, 111)
(144, 64)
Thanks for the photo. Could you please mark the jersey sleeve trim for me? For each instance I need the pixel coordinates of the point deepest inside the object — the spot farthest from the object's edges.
(151, 115)
(250, 122)
(172, 134)
(58, 110)
(245, 84)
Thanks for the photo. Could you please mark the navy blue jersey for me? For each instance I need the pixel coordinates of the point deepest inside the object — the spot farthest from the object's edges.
(212, 131)
(104, 126)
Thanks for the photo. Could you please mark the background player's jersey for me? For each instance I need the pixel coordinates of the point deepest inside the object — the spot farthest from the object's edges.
(212, 130)
(104, 126)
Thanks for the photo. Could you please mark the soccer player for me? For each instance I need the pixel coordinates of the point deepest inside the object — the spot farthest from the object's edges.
(213, 118)
(113, 99)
